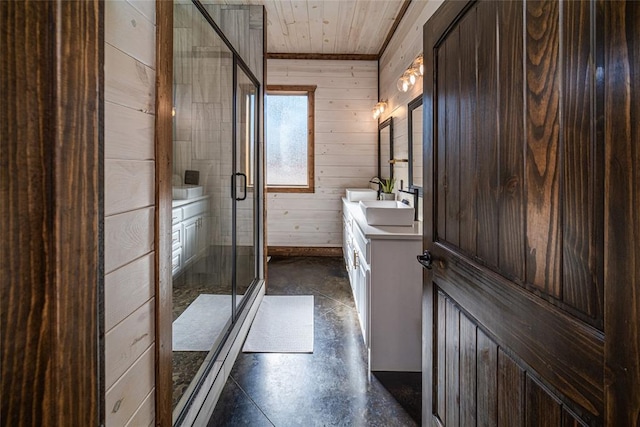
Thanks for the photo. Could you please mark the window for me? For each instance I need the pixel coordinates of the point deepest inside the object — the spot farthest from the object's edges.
(289, 120)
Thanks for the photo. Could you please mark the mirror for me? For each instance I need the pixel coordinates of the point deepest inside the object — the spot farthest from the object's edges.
(385, 149)
(415, 143)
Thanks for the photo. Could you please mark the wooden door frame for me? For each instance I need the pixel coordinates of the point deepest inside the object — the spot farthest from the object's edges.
(622, 223)
(52, 190)
(163, 202)
(621, 375)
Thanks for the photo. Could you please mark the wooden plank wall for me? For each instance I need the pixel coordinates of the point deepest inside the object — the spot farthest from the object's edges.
(404, 47)
(129, 212)
(345, 149)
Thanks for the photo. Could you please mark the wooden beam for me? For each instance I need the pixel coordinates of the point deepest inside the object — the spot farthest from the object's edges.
(163, 199)
(394, 27)
(52, 193)
(323, 56)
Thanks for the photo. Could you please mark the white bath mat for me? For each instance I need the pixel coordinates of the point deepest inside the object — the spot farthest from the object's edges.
(197, 328)
(283, 324)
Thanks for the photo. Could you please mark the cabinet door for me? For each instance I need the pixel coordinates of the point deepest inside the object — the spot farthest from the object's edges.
(362, 274)
(345, 243)
(360, 292)
(203, 236)
(190, 245)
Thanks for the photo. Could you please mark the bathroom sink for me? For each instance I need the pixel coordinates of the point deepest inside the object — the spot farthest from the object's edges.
(181, 192)
(387, 212)
(357, 194)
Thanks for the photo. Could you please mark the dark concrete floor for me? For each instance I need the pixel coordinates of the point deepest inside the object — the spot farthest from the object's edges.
(330, 387)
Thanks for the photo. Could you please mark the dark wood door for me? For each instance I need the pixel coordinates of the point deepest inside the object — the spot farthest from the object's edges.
(515, 168)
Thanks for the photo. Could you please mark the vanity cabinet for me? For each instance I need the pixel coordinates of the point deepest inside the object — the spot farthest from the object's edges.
(189, 232)
(386, 282)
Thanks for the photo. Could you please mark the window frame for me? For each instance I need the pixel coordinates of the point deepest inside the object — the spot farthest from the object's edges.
(309, 92)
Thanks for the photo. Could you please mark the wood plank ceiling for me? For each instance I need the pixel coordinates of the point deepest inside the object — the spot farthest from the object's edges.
(328, 28)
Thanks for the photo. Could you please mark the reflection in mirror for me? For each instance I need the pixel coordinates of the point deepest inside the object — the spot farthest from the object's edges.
(385, 148)
(415, 143)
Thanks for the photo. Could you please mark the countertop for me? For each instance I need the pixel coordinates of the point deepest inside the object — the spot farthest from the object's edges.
(382, 231)
(176, 203)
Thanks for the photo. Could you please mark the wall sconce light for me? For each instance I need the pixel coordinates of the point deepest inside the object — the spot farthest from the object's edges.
(378, 109)
(410, 76)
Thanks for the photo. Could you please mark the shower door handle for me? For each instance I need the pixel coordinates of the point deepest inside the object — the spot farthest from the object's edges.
(244, 185)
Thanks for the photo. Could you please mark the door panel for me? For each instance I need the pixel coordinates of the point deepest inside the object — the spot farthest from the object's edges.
(515, 181)
(479, 383)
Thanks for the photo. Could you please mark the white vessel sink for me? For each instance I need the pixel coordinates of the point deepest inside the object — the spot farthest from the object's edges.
(357, 194)
(182, 192)
(387, 212)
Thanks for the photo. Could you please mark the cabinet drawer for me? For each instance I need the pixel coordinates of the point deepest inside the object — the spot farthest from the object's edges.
(176, 215)
(176, 236)
(193, 209)
(176, 261)
(361, 243)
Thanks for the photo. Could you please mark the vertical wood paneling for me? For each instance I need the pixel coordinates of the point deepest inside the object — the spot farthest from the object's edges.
(510, 133)
(570, 420)
(441, 359)
(581, 166)
(486, 125)
(544, 234)
(622, 222)
(510, 391)
(541, 410)
(440, 147)
(487, 380)
(468, 136)
(452, 141)
(468, 367)
(51, 204)
(452, 367)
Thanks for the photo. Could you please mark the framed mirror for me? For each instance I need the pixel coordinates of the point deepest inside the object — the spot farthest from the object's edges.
(385, 149)
(414, 117)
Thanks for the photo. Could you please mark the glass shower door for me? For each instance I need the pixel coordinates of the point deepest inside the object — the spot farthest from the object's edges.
(246, 183)
(203, 227)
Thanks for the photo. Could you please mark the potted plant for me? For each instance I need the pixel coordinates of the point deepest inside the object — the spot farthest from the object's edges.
(386, 188)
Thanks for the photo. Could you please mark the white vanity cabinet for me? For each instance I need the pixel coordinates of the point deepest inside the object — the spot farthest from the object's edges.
(189, 232)
(386, 281)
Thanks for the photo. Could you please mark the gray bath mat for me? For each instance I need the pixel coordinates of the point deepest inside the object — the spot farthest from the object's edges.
(283, 324)
(197, 328)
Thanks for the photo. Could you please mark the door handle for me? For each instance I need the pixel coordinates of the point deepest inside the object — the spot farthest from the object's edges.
(426, 259)
(244, 185)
